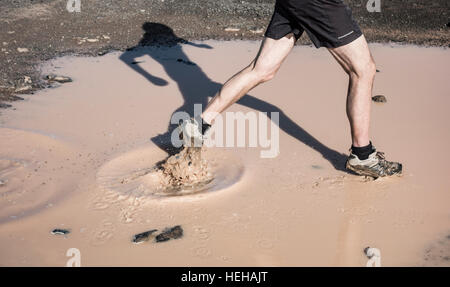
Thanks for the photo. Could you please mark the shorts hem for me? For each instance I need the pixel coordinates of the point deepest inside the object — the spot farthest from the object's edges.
(338, 44)
(281, 35)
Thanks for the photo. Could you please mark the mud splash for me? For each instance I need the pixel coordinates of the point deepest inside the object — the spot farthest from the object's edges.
(142, 173)
(185, 170)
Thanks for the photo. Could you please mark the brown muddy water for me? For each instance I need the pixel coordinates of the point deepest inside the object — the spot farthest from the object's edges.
(81, 156)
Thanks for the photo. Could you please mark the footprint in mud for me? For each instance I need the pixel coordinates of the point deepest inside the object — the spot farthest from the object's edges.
(265, 243)
(105, 198)
(201, 233)
(135, 174)
(103, 233)
(202, 236)
(202, 252)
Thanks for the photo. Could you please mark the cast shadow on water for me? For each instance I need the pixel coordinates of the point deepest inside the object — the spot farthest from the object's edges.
(195, 86)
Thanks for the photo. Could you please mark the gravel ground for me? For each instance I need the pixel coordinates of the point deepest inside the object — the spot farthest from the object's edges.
(37, 30)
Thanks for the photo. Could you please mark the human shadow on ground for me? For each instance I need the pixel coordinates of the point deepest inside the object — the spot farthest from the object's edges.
(195, 86)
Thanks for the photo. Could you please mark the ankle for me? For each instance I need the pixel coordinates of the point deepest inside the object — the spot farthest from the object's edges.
(363, 152)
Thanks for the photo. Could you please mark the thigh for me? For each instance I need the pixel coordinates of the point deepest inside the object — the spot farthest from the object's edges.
(354, 56)
(272, 52)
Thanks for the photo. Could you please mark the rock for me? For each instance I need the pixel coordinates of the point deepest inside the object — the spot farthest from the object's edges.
(257, 31)
(144, 236)
(92, 40)
(378, 71)
(58, 231)
(4, 106)
(22, 50)
(59, 79)
(23, 89)
(230, 29)
(2, 182)
(170, 233)
(27, 80)
(379, 99)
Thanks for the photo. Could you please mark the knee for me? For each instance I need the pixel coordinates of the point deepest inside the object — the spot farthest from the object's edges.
(264, 73)
(364, 69)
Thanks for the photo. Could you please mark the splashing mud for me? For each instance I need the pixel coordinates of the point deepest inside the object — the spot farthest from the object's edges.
(193, 170)
(187, 169)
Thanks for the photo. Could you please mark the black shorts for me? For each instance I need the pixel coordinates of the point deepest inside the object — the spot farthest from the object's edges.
(328, 23)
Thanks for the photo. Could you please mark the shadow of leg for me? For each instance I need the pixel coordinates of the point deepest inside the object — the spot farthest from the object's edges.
(290, 127)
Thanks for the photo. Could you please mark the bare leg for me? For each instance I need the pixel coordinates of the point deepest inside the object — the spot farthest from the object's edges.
(357, 61)
(263, 68)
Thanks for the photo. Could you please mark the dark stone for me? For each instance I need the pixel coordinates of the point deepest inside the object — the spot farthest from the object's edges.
(379, 99)
(58, 231)
(144, 236)
(170, 233)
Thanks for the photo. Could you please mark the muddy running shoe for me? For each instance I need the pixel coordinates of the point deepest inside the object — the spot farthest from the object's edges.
(192, 132)
(375, 165)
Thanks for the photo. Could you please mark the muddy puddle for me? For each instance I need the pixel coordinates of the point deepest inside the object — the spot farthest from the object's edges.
(83, 157)
(143, 173)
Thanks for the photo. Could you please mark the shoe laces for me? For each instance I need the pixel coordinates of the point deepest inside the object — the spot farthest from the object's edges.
(380, 155)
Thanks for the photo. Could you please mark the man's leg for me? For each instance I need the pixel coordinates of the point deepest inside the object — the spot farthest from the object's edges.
(263, 68)
(357, 61)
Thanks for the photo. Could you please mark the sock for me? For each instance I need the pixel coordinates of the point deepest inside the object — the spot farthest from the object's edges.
(363, 152)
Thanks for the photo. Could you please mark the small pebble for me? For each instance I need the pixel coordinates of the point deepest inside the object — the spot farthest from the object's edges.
(59, 79)
(230, 29)
(58, 231)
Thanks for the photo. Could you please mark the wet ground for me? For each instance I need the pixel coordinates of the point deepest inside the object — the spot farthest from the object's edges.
(65, 152)
(37, 30)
